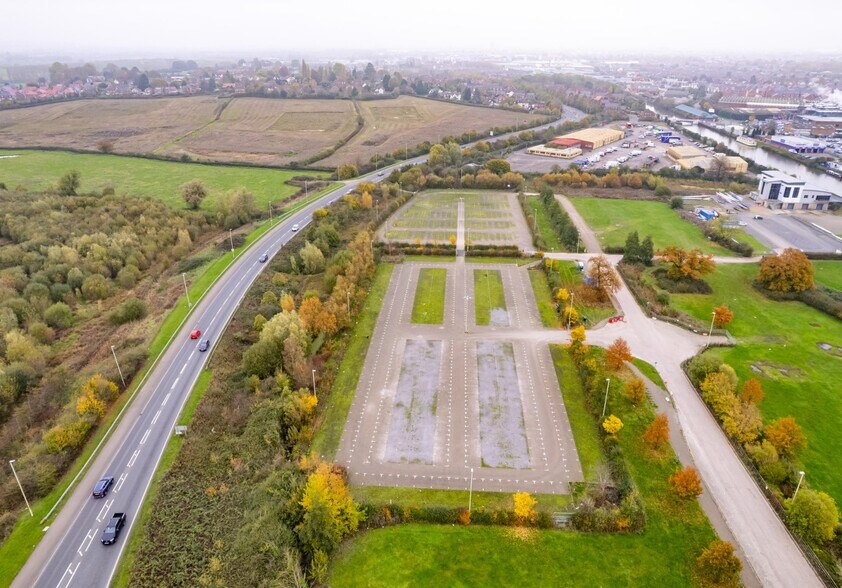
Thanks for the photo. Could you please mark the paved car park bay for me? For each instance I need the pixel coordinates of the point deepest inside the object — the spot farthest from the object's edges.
(782, 230)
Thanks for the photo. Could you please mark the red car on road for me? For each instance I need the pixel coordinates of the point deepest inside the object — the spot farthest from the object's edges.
(195, 334)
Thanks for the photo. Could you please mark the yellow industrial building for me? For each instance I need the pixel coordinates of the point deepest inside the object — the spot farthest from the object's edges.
(590, 139)
(689, 157)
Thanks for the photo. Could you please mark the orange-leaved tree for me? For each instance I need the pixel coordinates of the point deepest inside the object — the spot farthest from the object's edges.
(685, 264)
(635, 391)
(602, 277)
(657, 434)
(786, 436)
(617, 354)
(719, 565)
(752, 392)
(686, 482)
(790, 271)
(722, 315)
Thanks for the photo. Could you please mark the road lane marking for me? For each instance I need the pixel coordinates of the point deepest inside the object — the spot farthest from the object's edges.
(87, 538)
(133, 458)
(145, 436)
(155, 418)
(104, 510)
(174, 384)
(167, 397)
(120, 482)
(182, 369)
(68, 571)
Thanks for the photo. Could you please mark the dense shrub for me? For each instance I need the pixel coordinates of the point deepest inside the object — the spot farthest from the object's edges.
(132, 309)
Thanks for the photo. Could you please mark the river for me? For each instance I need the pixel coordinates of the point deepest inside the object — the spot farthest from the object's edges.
(769, 159)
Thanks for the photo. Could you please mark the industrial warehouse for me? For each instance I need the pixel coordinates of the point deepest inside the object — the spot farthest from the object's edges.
(587, 139)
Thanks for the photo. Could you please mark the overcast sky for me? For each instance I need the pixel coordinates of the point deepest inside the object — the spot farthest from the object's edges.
(87, 29)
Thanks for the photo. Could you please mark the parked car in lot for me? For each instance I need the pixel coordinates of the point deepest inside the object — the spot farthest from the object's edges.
(113, 528)
(264, 258)
(758, 217)
(204, 345)
(196, 334)
(101, 487)
(294, 227)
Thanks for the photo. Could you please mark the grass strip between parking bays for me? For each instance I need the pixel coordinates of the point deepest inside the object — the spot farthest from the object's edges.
(428, 308)
(122, 575)
(329, 432)
(490, 259)
(28, 531)
(488, 294)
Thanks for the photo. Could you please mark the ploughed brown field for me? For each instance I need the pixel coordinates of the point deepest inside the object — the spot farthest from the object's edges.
(247, 130)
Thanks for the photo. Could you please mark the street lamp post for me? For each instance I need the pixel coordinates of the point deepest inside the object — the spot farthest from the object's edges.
(710, 331)
(471, 490)
(377, 208)
(798, 487)
(605, 403)
(270, 212)
(570, 314)
(186, 292)
(314, 382)
(534, 220)
(12, 465)
(231, 239)
(306, 191)
(122, 379)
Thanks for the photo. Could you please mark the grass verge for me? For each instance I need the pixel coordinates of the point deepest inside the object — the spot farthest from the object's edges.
(546, 305)
(329, 432)
(425, 497)
(428, 307)
(122, 575)
(648, 370)
(488, 294)
(515, 260)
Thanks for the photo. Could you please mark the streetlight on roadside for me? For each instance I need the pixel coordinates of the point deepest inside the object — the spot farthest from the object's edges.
(186, 292)
(314, 382)
(710, 331)
(570, 313)
(605, 403)
(348, 300)
(471, 490)
(122, 379)
(12, 465)
(231, 238)
(798, 487)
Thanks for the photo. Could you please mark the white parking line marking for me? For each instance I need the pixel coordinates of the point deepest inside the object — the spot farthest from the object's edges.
(133, 458)
(145, 436)
(120, 482)
(167, 397)
(155, 418)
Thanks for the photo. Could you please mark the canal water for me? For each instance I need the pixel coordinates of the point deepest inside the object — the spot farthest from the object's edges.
(769, 159)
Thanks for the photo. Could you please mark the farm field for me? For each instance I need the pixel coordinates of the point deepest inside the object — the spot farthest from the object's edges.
(408, 120)
(39, 170)
(613, 220)
(134, 126)
(779, 343)
(269, 132)
(262, 131)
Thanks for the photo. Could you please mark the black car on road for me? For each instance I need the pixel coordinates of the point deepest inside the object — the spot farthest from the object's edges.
(112, 530)
(101, 488)
(204, 345)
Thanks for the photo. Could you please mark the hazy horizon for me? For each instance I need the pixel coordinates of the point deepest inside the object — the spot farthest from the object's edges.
(94, 29)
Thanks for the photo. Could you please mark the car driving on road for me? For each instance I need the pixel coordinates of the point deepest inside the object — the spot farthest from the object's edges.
(112, 529)
(196, 334)
(101, 488)
(295, 227)
(264, 258)
(204, 345)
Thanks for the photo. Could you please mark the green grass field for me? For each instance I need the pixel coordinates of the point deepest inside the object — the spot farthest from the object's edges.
(426, 497)
(39, 170)
(544, 227)
(329, 432)
(775, 336)
(428, 308)
(828, 273)
(488, 294)
(430, 555)
(613, 220)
